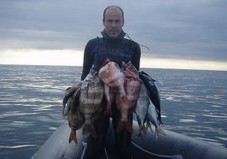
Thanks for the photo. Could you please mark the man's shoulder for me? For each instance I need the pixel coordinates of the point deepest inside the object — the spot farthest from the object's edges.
(131, 42)
(92, 43)
(94, 40)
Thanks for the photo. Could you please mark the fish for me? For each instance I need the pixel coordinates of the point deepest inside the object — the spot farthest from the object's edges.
(71, 92)
(109, 97)
(113, 79)
(132, 83)
(91, 95)
(153, 92)
(152, 117)
(141, 109)
(71, 110)
(75, 121)
(146, 113)
(126, 103)
(112, 75)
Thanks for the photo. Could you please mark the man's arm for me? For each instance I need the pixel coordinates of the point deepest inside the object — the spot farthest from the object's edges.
(88, 59)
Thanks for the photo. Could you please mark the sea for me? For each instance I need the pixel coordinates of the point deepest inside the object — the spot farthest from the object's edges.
(193, 103)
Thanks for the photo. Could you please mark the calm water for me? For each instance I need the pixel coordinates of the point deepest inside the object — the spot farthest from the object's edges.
(193, 103)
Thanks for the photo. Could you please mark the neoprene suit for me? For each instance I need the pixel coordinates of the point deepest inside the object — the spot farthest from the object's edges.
(96, 52)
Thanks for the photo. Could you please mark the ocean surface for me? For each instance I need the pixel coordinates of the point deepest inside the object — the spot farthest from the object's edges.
(193, 102)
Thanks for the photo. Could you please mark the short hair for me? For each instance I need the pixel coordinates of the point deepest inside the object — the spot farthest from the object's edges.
(113, 6)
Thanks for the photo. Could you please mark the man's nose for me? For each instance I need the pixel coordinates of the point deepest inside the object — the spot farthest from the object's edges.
(114, 24)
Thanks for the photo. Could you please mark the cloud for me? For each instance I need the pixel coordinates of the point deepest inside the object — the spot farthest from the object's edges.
(194, 29)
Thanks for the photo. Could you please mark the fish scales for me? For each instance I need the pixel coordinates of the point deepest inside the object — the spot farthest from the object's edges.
(90, 102)
(81, 104)
(142, 108)
(132, 89)
(113, 79)
(75, 120)
(126, 104)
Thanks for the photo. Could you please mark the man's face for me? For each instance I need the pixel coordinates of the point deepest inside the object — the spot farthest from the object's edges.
(113, 22)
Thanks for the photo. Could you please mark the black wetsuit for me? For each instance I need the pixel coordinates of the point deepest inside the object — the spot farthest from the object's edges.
(96, 52)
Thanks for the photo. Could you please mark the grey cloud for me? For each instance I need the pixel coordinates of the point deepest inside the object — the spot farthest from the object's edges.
(173, 28)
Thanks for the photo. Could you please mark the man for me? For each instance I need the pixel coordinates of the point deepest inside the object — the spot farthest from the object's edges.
(115, 47)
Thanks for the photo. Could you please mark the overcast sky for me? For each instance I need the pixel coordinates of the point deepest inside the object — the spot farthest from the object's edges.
(192, 29)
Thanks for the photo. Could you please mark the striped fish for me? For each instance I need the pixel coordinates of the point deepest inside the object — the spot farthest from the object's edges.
(75, 121)
(71, 110)
(91, 96)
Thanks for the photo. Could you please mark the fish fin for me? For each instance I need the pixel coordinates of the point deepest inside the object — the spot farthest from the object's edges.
(159, 131)
(143, 129)
(148, 126)
(124, 125)
(72, 137)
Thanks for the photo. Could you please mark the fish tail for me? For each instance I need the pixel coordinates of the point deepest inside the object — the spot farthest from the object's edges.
(124, 125)
(72, 137)
(159, 131)
(147, 127)
(143, 129)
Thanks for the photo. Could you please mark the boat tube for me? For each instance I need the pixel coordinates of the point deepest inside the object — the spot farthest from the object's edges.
(165, 145)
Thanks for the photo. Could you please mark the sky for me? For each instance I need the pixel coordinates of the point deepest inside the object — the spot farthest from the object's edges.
(179, 33)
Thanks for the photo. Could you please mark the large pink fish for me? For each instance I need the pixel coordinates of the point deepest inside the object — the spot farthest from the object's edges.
(113, 78)
(126, 104)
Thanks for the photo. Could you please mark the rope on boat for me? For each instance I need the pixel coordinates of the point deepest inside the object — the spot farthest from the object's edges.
(139, 147)
(158, 155)
(84, 150)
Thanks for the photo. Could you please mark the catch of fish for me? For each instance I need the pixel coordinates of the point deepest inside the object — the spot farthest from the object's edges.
(113, 79)
(126, 104)
(146, 113)
(82, 102)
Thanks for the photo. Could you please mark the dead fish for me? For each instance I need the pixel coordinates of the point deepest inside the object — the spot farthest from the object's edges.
(142, 108)
(69, 93)
(152, 117)
(109, 98)
(112, 76)
(91, 95)
(71, 110)
(126, 104)
(132, 83)
(75, 120)
(153, 92)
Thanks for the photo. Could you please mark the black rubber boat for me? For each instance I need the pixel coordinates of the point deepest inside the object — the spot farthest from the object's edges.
(168, 145)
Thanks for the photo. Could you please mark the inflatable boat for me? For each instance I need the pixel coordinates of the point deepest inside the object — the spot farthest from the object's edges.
(167, 145)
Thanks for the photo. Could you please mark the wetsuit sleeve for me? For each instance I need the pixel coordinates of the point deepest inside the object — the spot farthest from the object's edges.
(136, 55)
(88, 59)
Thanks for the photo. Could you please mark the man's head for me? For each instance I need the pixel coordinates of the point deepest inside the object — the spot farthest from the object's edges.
(113, 20)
